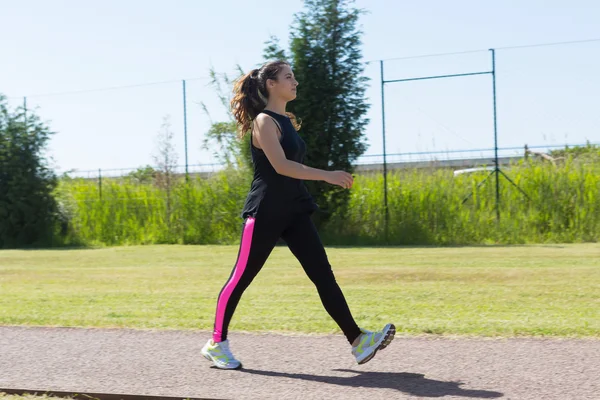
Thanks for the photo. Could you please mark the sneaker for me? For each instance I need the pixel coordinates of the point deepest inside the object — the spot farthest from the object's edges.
(370, 342)
(220, 355)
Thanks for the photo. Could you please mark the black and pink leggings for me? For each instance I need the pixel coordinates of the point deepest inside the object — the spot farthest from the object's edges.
(259, 237)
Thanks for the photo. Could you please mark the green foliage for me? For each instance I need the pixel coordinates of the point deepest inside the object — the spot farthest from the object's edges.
(587, 150)
(143, 174)
(28, 212)
(425, 208)
(199, 212)
(325, 53)
(273, 50)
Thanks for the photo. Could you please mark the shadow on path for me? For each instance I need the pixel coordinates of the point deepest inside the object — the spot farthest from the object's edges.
(414, 384)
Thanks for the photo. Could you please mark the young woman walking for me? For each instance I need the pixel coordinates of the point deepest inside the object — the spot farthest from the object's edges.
(278, 205)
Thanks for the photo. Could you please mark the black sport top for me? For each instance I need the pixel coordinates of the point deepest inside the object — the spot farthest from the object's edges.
(274, 193)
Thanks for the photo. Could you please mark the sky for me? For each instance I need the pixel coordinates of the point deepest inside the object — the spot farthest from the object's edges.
(136, 53)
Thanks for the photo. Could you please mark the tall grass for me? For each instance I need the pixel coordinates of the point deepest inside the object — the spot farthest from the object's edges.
(199, 212)
(425, 207)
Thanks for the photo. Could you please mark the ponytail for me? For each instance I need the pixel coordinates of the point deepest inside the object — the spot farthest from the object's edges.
(247, 103)
(250, 96)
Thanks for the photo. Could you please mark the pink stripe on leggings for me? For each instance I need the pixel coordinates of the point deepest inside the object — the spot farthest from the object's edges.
(240, 267)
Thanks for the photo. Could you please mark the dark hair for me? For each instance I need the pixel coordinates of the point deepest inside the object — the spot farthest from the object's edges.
(251, 95)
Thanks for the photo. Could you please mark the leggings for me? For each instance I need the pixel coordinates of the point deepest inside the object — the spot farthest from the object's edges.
(259, 236)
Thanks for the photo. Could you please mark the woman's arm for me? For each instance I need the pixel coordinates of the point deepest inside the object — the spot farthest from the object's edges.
(265, 132)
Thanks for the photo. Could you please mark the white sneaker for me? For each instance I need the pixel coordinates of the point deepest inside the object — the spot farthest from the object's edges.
(370, 342)
(220, 355)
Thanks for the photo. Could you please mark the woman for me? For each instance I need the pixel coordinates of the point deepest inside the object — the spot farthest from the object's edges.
(279, 206)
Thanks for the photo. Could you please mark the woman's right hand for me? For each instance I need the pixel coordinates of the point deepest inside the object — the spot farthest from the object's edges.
(339, 178)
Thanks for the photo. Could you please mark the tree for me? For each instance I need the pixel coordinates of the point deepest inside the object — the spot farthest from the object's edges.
(166, 161)
(231, 150)
(326, 58)
(146, 174)
(28, 210)
(273, 50)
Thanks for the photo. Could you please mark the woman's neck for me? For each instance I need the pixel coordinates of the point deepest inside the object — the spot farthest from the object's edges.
(276, 106)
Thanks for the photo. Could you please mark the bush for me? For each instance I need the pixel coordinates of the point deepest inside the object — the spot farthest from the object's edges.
(28, 212)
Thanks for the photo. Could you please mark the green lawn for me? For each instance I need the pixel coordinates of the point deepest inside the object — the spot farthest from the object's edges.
(4, 396)
(549, 290)
(29, 396)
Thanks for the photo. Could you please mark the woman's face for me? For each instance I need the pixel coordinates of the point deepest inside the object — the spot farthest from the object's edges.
(285, 85)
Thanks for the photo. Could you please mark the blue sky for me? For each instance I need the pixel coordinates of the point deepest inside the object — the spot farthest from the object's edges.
(546, 95)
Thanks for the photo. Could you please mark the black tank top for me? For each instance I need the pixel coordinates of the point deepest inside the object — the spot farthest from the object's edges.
(274, 193)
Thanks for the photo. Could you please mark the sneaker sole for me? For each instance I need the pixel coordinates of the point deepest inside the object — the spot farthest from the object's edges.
(385, 342)
(388, 337)
(209, 358)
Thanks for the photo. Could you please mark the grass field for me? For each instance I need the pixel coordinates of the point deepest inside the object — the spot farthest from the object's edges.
(539, 290)
(4, 396)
